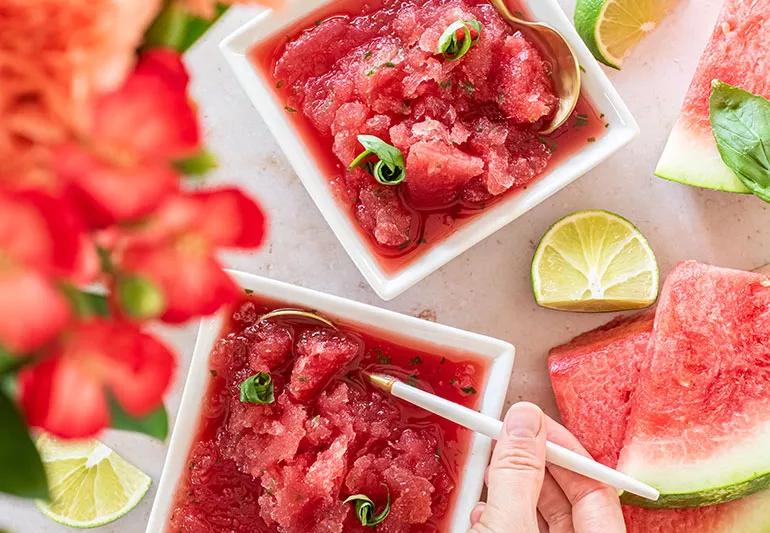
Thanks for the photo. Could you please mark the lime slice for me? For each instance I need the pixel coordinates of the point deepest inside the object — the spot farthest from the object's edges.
(90, 484)
(611, 28)
(594, 261)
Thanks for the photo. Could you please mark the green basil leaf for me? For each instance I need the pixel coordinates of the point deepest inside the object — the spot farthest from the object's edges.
(258, 389)
(154, 424)
(390, 169)
(476, 25)
(386, 152)
(741, 125)
(21, 470)
(196, 165)
(175, 27)
(364, 507)
(453, 48)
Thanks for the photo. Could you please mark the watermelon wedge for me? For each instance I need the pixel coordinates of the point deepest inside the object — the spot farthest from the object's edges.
(605, 361)
(747, 515)
(699, 425)
(737, 54)
(593, 378)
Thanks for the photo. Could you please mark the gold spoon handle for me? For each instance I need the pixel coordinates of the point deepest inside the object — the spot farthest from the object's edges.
(566, 76)
(298, 313)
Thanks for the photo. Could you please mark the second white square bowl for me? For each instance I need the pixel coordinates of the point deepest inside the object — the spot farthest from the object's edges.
(620, 130)
(497, 355)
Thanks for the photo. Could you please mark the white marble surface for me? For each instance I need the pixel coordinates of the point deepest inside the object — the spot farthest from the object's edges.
(486, 289)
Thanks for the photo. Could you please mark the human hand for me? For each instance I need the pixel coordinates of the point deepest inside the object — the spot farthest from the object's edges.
(527, 496)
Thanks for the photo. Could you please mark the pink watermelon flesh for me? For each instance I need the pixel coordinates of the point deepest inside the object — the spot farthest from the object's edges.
(320, 356)
(700, 417)
(603, 362)
(736, 54)
(380, 213)
(593, 378)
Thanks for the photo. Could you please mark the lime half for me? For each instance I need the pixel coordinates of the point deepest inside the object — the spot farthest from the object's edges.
(594, 261)
(611, 28)
(90, 484)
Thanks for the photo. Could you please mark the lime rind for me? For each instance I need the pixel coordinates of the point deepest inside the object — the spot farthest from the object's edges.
(586, 16)
(611, 28)
(597, 271)
(87, 478)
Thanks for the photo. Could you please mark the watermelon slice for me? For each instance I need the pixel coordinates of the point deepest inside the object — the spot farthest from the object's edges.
(605, 361)
(737, 54)
(593, 378)
(747, 515)
(699, 425)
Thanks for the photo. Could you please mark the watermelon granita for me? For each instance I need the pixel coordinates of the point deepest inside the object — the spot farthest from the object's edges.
(288, 464)
(699, 424)
(736, 54)
(594, 377)
(467, 128)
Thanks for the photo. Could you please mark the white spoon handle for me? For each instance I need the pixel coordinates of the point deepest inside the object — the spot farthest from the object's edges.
(491, 427)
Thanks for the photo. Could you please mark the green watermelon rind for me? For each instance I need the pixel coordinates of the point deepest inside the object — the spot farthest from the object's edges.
(704, 497)
(691, 158)
(724, 466)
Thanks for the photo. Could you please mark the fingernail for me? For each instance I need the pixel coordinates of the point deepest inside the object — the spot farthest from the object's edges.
(523, 420)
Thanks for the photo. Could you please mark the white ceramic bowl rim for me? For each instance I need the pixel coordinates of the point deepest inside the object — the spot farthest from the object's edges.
(498, 354)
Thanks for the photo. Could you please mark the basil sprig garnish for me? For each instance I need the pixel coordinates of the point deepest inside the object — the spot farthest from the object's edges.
(458, 38)
(741, 125)
(390, 168)
(258, 389)
(365, 509)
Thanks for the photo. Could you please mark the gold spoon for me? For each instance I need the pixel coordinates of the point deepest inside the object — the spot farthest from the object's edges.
(297, 313)
(566, 76)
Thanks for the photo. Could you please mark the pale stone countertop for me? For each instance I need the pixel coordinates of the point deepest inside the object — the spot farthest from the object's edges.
(486, 289)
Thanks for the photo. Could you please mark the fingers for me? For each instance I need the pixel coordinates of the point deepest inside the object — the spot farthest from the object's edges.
(554, 507)
(476, 512)
(516, 473)
(542, 524)
(567, 503)
(595, 506)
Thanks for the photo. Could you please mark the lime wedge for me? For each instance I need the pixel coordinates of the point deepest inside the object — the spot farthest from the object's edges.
(90, 484)
(611, 28)
(594, 261)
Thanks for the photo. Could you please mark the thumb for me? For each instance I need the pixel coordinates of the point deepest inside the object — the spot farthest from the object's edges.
(516, 472)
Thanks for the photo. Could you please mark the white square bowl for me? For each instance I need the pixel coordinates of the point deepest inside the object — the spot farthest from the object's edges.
(498, 355)
(622, 128)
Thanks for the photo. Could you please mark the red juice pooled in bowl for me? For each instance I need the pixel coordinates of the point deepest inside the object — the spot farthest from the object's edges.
(321, 434)
(465, 122)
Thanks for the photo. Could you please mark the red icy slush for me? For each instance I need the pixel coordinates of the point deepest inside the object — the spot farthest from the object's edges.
(288, 466)
(468, 129)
